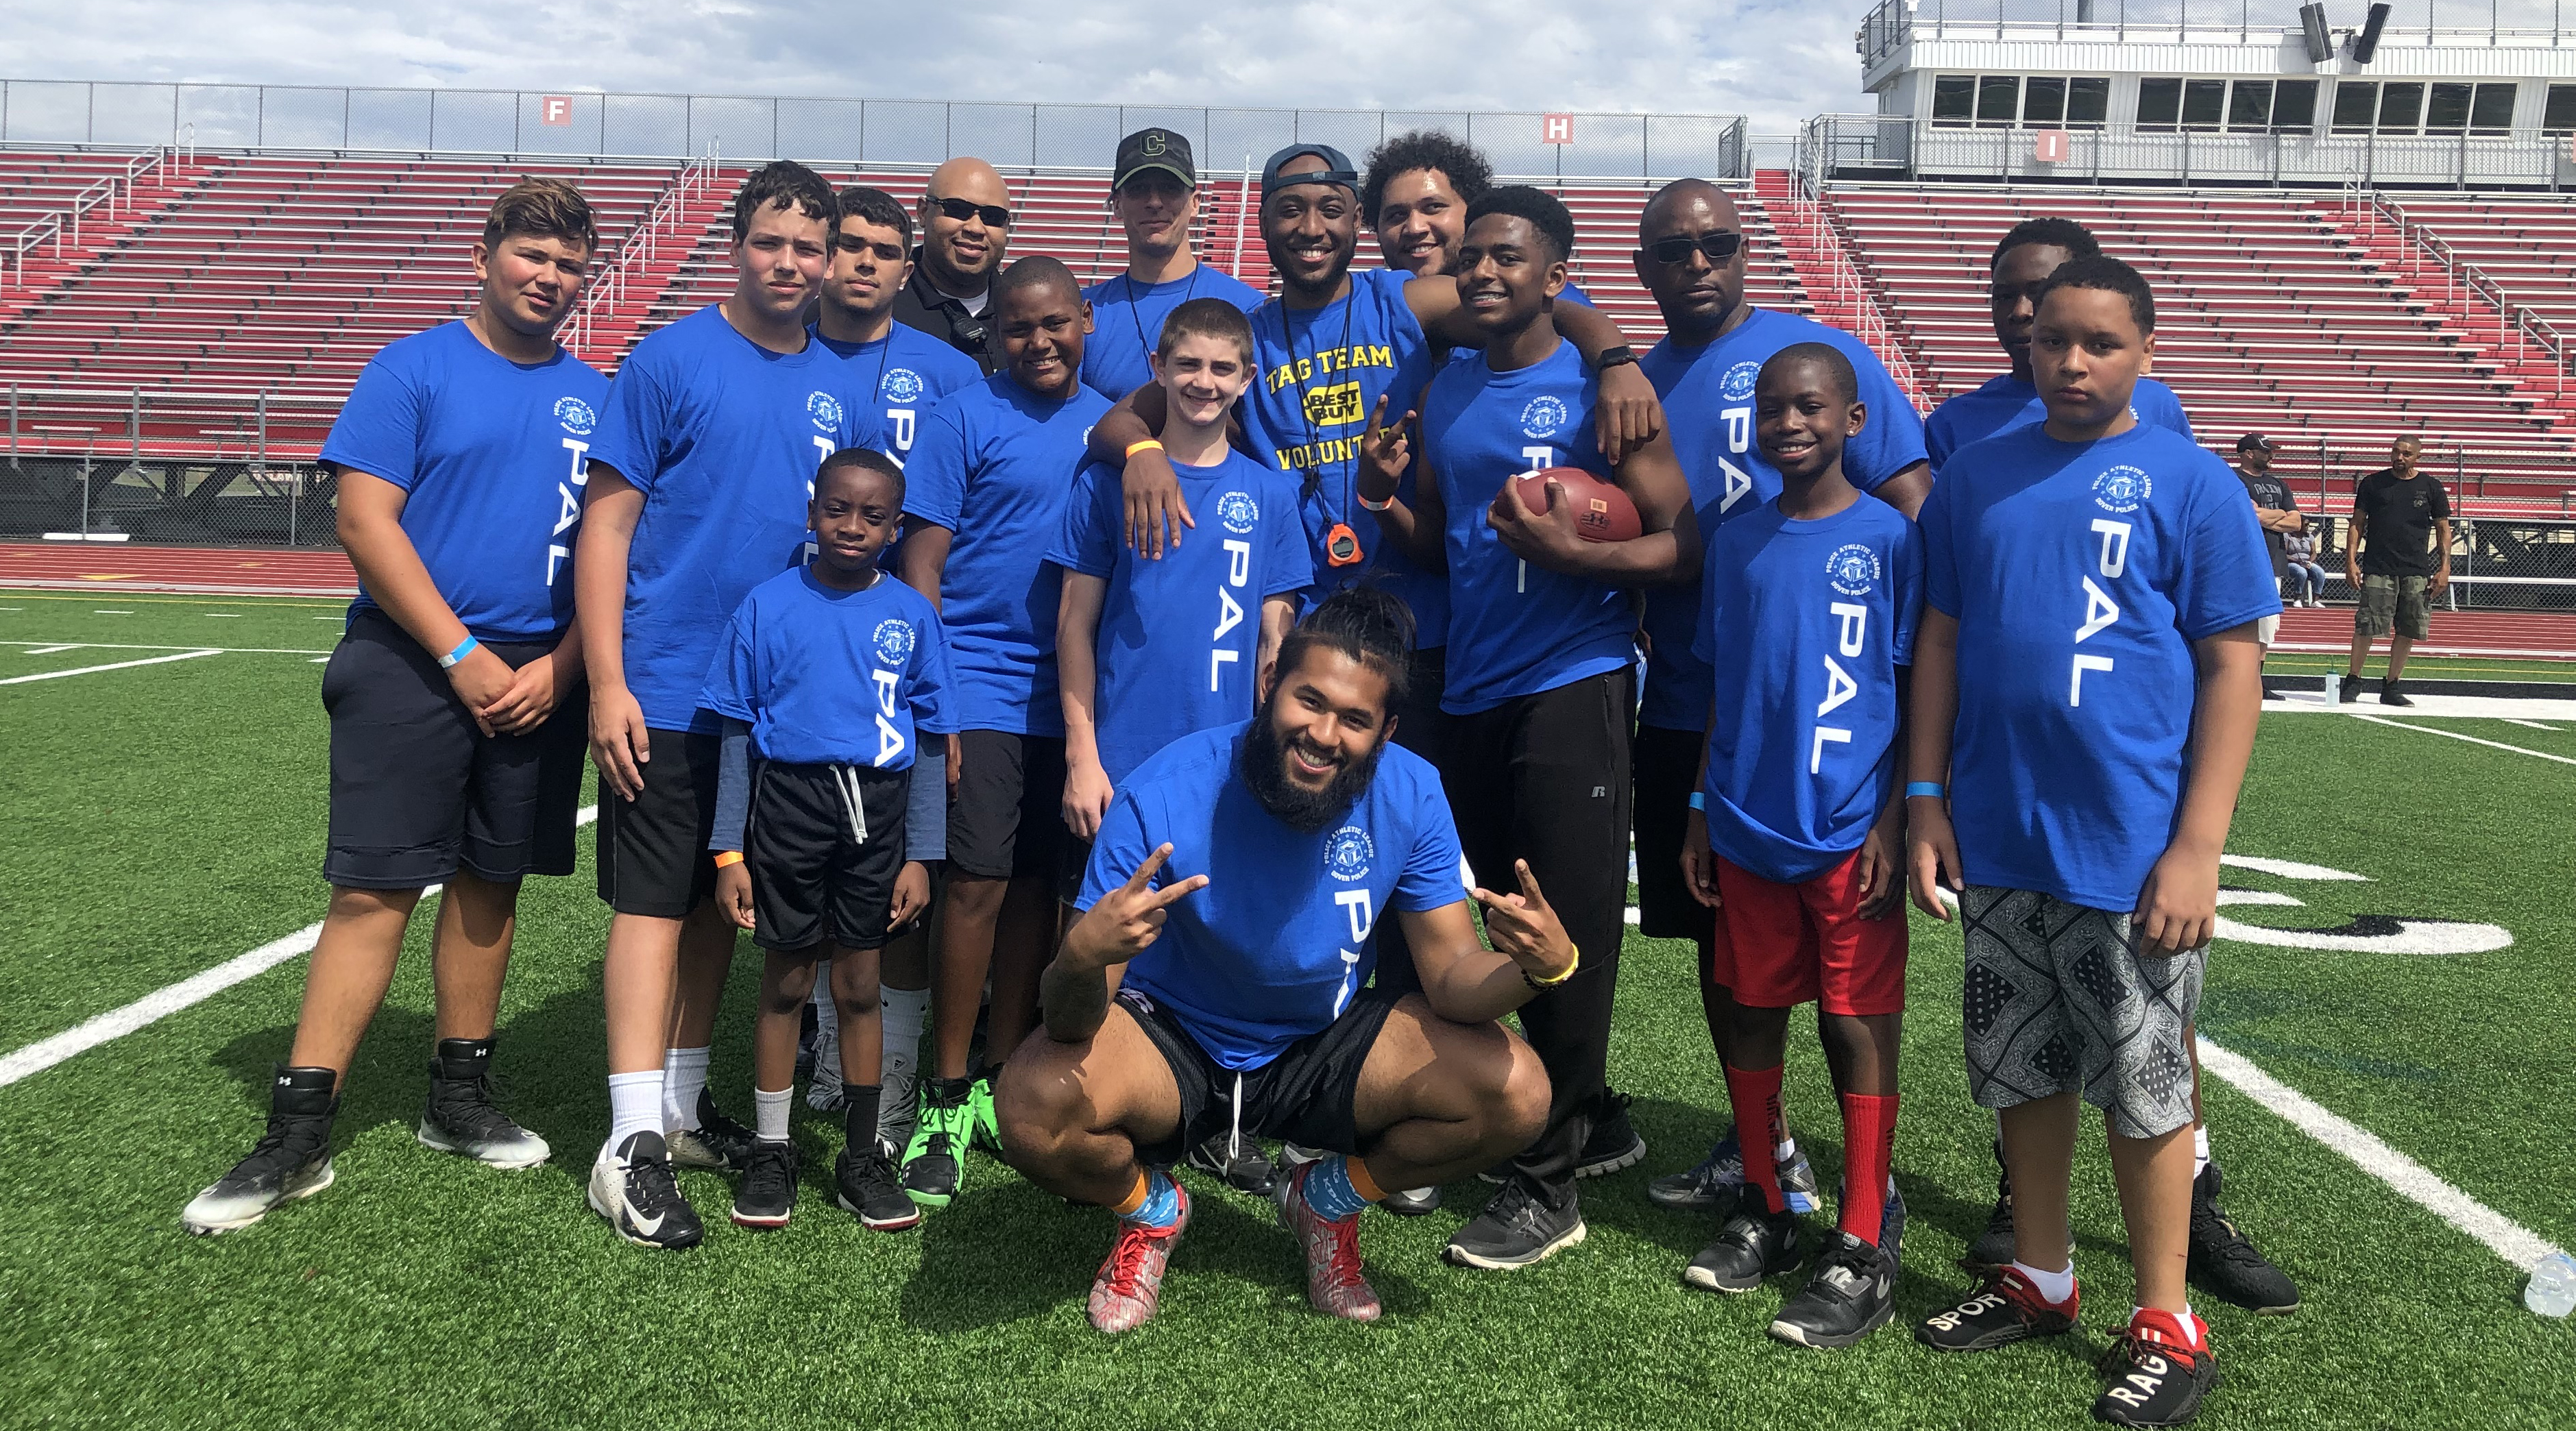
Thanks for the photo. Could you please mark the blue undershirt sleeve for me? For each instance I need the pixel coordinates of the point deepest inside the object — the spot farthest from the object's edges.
(925, 816)
(733, 785)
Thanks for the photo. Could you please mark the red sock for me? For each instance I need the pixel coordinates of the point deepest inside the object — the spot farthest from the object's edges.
(1869, 1142)
(1759, 1128)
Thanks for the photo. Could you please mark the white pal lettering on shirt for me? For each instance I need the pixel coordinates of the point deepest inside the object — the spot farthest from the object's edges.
(1825, 734)
(1855, 625)
(1739, 430)
(2075, 683)
(2099, 611)
(1363, 914)
(1739, 484)
(1238, 564)
(1840, 688)
(899, 430)
(2115, 546)
(889, 739)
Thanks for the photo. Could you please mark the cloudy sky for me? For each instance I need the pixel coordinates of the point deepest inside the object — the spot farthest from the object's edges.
(1775, 60)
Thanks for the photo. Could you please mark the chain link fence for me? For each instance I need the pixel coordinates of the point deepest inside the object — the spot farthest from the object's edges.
(886, 131)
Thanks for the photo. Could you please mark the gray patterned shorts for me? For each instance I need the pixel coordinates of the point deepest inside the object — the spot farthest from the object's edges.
(2057, 1001)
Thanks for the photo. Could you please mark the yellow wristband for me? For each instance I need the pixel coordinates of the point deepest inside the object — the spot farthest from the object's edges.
(728, 857)
(1154, 444)
(1552, 982)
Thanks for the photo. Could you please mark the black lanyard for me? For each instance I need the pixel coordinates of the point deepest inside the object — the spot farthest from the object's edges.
(1144, 346)
(1312, 470)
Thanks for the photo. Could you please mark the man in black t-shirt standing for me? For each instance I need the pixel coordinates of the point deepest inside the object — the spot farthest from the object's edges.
(2277, 513)
(2399, 558)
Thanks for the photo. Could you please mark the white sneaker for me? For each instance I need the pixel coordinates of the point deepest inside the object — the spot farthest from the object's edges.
(634, 1189)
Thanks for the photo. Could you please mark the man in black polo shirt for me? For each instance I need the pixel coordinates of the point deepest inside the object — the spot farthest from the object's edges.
(2277, 513)
(2399, 558)
(965, 226)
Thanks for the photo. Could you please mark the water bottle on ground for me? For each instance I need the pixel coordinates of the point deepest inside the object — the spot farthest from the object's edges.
(2552, 1289)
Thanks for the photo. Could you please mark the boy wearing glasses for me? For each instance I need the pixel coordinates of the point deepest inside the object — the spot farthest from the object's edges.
(1690, 256)
(965, 228)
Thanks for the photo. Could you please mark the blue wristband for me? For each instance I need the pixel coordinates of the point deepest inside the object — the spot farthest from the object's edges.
(463, 649)
(1932, 788)
(1699, 800)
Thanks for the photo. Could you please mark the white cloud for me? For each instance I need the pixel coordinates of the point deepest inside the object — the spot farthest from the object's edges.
(1775, 60)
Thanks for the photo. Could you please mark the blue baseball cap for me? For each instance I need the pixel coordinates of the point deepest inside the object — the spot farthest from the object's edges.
(1337, 170)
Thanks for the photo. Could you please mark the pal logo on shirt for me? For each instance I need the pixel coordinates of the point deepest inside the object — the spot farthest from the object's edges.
(825, 410)
(1737, 385)
(893, 641)
(1347, 853)
(903, 385)
(1239, 512)
(1544, 417)
(1853, 569)
(2122, 489)
(576, 416)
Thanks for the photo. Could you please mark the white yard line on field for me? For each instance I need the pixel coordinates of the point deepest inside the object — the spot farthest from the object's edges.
(50, 650)
(2529, 724)
(162, 1003)
(136, 646)
(122, 665)
(2508, 1239)
(2471, 739)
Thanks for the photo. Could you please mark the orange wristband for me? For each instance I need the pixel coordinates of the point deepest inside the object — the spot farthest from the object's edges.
(728, 857)
(1144, 444)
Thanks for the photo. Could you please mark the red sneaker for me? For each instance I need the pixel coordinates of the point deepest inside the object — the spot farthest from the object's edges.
(1334, 1284)
(1130, 1284)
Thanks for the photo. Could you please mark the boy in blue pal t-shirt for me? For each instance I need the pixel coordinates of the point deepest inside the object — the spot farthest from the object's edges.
(700, 479)
(828, 678)
(891, 369)
(1794, 835)
(2086, 688)
(987, 485)
(1150, 651)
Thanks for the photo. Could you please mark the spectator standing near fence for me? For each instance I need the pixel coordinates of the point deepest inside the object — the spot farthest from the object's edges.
(2398, 557)
(2277, 513)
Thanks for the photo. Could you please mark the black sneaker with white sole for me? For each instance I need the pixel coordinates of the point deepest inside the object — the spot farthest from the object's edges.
(291, 1160)
(1238, 1160)
(1753, 1244)
(2003, 1310)
(868, 1189)
(717, 1143)
(1710, 1183)
(635, 1189)
(1852, 1294)
(2224, 1264)
(2153, 1378)
(1516, 1229)
(462, 1118)
(767, 1196)
(1614, 1142)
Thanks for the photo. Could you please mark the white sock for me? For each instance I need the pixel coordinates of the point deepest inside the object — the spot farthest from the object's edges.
(2055, 1286)
(770, 1113)
(634, 1106)
(901, 1012)
(2199, 1151)
(827, 1013)
(2191, 1325)
(1781, 1155)
(684, 1077)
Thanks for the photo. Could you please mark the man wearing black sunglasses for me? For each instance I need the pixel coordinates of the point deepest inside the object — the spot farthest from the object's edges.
(1691, 255)
(965, 227)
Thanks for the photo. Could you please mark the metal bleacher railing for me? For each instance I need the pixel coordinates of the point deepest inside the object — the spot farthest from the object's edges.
(901, 131)
(2516, 324)
(113, 192)
(663, 232)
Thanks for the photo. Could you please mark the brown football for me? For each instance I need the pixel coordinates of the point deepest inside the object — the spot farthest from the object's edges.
(1602, 513)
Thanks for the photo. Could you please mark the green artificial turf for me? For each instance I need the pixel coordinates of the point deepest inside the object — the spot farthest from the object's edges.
(165, 818)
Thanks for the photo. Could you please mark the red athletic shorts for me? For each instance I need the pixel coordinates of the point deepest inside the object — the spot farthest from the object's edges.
(1781, 945)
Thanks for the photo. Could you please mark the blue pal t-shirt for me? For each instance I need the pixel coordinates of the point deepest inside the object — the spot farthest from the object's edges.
(2080, 574)
(722, 437)
(490, 457)
(995, 465)
(1179, 637)
(2008, 402)
(1804, 625)
(1275, 946)
(1707, 393)
(900, 377)
(828, 677)
(1127, 323)
(1515, 629)
(1319, 374)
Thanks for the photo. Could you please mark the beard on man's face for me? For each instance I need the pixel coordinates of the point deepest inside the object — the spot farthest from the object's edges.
(1265, 770)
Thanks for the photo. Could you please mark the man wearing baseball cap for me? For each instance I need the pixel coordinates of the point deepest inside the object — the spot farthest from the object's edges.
(1154, 191)
(2277, 513)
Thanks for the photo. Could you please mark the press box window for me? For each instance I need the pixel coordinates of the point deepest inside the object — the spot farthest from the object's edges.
(1998, 100)
(2558, 113)
(1954, 99)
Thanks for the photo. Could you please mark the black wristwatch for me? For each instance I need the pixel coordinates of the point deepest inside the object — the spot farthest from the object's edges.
(1613, 357)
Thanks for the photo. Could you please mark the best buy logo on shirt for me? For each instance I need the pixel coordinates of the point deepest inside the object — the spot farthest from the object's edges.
(1334, 406)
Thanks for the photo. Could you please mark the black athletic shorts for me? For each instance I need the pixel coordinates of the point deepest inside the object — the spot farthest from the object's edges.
(1303, 1096)
(417, 792)
(653, 856)
(1666, 763)
(1006, 819)
(824, 845)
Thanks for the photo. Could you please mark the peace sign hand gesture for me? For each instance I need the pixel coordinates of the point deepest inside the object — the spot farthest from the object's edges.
(1127, 920)
(1525, 930)
(1385, 452)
